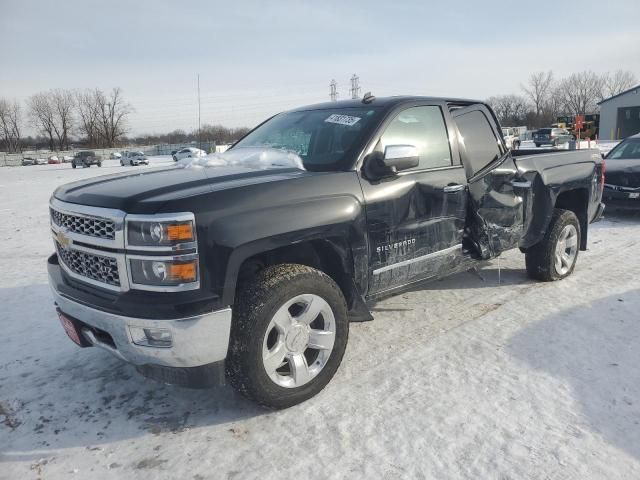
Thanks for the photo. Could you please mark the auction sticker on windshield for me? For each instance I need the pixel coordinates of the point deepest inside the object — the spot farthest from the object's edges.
(342, 119)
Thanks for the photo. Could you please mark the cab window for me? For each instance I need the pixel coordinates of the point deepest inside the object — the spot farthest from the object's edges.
(424, 128)
(479, 144)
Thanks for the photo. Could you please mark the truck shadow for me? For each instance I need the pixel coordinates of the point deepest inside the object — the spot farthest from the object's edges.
(594, 349)
(55, 395)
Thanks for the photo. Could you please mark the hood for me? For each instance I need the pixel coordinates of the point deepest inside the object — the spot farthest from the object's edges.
(148, 191)
(623, 172)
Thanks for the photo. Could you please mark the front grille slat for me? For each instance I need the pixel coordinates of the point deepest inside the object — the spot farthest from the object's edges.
(96, 267)
(90, 226)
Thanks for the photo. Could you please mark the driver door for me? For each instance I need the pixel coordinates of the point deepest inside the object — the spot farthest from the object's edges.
(415, 217)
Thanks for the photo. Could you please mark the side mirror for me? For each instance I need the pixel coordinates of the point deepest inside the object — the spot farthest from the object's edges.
(400, 157)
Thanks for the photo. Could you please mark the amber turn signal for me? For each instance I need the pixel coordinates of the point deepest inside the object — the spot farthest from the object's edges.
(183, 271)
(180, 232)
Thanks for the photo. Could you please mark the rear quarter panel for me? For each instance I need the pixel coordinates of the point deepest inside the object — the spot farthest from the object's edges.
(552, 174)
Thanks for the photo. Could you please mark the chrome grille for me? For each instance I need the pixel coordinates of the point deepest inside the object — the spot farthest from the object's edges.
(93, 227)
(96, 267)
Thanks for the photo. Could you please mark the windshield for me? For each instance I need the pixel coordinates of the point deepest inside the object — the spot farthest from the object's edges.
(322, 139)
(628, 149)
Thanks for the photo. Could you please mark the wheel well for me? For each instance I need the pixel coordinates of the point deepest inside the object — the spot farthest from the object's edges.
(577, 201)
(331, 256)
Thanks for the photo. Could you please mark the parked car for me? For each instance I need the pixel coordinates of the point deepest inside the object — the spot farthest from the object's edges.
(85, 159)
(53, 160)
(67, 159)
(41, 161)
(115, 156)
(189, 152)
(622, 180)
(257, 271)
(133, 158)
(511, 138)
(28, 161)
(551, 136)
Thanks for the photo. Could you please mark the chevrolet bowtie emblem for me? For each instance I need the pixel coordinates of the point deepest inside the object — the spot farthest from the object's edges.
(63, 239)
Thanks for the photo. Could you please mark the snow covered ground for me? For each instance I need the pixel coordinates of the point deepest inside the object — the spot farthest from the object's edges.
(464, 378)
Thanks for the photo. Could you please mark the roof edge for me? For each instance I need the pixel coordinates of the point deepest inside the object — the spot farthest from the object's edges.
(637, 87)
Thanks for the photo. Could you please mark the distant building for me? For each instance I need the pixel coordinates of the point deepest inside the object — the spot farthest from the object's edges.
(620, 115)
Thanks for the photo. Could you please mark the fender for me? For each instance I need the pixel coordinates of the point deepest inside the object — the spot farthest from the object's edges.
(321, 218)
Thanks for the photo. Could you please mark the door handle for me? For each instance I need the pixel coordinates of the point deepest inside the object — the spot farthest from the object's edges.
(521, 184)
(453, 188)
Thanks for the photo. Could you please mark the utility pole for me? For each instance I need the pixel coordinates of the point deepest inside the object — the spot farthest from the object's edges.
(199, 137)
(355, 87)
(333, 95)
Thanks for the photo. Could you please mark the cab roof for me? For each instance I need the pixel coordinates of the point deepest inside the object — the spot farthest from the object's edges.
(388, 102)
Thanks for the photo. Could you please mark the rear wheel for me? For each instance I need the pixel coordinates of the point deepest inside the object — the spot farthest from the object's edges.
(555, 256)
(73, 164)
(288, 336)
(537, 145)
(175, 159)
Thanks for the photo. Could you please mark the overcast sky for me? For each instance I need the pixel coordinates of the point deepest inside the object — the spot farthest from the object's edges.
(258, 58)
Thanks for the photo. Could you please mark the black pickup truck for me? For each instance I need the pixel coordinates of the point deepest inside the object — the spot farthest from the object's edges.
(252, 263)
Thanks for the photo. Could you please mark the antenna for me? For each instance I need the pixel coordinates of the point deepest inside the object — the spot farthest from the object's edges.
(333, 95)
(355, 87)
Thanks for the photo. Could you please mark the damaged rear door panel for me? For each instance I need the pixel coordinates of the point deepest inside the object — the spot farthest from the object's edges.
(500, 198)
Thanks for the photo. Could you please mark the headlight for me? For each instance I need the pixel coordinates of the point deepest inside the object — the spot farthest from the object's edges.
(163, 273)
(152, 233)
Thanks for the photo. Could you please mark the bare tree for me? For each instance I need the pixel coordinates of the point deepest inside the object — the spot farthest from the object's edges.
(62, 103)
(539, 90)
(88, 111)
(617, 82)
(510, 109)
(42, 114)
(10, 124)
(579, 92)
(113, 111)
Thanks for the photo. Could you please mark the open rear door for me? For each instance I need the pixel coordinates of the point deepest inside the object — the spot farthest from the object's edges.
(498, 198)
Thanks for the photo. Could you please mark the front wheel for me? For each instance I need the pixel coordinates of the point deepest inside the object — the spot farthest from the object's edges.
(288, 336)
(555, 256)
(175, 159)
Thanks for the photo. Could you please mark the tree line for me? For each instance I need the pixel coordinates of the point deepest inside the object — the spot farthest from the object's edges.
(96, 118)
(544, 97)
(91, 118)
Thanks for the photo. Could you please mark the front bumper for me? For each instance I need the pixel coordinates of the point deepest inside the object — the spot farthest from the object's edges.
(198, 342)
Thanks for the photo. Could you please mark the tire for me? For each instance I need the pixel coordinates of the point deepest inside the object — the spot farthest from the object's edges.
(130, 163)
(537, 145)
(543, 260)
(121, 163)
(73, 164)
(175, 159)
(99, 164)
(255, 337)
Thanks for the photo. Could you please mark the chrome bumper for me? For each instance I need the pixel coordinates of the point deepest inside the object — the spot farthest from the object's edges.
(196, 341)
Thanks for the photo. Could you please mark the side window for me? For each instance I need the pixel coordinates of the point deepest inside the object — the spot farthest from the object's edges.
(478, 140)
(424, 128)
